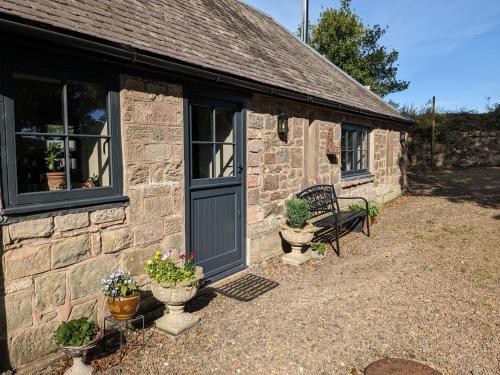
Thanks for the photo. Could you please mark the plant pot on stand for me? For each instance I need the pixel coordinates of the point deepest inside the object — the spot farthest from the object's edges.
(124, 308)
(78, 354)
(176, 320)
(298, 238)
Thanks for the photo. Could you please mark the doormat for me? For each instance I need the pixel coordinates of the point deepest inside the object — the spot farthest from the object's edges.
(247, 288)
(398, 366)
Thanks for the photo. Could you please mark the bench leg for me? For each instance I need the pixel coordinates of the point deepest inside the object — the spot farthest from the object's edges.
(368, 225)
(337, 235)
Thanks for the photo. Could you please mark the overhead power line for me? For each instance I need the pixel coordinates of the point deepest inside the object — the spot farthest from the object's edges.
(450, 39)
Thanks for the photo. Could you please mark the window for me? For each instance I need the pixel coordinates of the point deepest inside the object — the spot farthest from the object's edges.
(212, 142)
(61, 140)
(354, 144)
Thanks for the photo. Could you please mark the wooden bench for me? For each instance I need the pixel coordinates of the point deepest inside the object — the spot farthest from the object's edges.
(326, 214)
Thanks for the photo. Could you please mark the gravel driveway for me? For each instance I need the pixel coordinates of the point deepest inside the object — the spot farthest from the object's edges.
(424, 286)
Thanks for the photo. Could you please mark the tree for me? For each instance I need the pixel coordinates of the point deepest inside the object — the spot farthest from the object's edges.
(341, 36)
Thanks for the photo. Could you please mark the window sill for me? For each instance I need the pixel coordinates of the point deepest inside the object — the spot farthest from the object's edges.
(15, 214)
(354, 180)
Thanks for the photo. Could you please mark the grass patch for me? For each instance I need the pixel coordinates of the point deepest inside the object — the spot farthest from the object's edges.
(481, 276)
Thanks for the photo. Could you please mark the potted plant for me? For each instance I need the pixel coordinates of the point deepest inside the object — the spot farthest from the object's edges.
(123, 295)
(373, 211)
(174, 282)
(76, 337)
(297, 232)
(53, 161)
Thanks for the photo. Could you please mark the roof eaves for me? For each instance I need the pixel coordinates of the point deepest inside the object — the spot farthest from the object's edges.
(134, 55)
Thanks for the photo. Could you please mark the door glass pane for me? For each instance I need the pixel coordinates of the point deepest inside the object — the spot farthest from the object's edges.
(201, 123)
(202, 160)
(40, 163)
(87, 109)
(224, 160)
(89, 162)
(224, 131)
(38, 104)
(344, 140)
(344, 162)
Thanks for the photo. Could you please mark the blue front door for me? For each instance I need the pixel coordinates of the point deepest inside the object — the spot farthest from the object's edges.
(215, 186)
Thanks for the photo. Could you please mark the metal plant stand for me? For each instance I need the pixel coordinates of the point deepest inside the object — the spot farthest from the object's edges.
(130, 328)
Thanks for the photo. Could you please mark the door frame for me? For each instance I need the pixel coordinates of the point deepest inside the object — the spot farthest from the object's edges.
(215, 94)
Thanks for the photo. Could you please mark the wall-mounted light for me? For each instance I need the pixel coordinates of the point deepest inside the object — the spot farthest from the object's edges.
(282, 124)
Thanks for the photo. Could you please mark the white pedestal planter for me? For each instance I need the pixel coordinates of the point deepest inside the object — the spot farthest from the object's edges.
(78, 353)
(298, 239)
(176, 320)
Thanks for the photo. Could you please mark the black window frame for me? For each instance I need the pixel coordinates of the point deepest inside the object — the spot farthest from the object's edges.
(63, 68)
(354, 129)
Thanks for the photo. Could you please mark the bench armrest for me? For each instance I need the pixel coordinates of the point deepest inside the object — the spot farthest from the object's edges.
(364, 199)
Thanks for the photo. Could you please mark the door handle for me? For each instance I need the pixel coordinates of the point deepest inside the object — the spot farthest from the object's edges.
(240, 169)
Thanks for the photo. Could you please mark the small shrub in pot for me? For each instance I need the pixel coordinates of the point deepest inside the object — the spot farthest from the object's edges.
(297, 213)
(297, 232)
(373, 209)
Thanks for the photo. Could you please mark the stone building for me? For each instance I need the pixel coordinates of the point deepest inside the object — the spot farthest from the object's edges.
(128, 127)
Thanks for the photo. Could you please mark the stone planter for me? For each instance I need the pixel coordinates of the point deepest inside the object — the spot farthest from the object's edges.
(78, 353)
(298, 239)
(176, 320)
(56, 180)
(123, 308)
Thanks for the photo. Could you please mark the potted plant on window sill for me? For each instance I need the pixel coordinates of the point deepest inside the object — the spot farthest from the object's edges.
(297, 232)
(76, 337)
(123, 295)
(174, 282)
(56, 179)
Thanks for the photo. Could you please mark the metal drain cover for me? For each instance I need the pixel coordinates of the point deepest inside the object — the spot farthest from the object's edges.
(398, 366)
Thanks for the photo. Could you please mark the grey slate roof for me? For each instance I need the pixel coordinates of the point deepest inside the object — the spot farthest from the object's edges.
(221, 35)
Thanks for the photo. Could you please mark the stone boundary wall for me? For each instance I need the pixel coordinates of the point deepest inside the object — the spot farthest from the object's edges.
(461, 149)
(279, 168)
(52, 265)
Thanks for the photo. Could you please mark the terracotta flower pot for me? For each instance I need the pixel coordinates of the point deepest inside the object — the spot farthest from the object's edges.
(78, 353)
(298, 238)
(123, 308)
(372, 221)
(56, 180)
(175, 297)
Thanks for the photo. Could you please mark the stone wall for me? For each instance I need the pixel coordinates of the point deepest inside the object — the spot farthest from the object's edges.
(456, 149)
(52, 265)
(279, 168)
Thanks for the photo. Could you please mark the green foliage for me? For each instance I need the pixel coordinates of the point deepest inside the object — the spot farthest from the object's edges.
(119, 284)
(77, 332)
(342, 38)
(297, 212)
(448, 121)
(319, 247)
(53, 156)
(164, 269)
(373, 208)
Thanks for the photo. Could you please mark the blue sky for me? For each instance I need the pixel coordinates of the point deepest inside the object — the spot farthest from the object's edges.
(461, 72)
